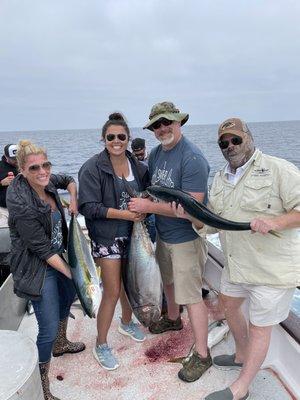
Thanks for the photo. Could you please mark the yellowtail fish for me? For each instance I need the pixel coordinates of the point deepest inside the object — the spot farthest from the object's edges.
(83, 269)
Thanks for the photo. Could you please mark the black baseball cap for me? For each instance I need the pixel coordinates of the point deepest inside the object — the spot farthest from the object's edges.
(138, 144)
(10, 150)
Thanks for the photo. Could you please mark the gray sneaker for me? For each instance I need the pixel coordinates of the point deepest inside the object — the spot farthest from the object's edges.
(105, 357)
(225, 394)
(226, 362)
(132, 330)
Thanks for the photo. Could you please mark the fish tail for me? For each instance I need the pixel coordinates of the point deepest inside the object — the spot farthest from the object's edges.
(275, 233)
(184, 359)
(177, 360)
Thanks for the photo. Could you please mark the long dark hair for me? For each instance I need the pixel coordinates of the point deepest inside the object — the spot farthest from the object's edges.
(115, 119)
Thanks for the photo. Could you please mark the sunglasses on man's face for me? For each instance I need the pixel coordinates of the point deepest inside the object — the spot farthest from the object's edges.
(111, 136)
(225, 143)
(162, 121)
(37, 167)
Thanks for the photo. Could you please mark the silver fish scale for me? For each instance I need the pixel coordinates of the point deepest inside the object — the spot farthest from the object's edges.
(140, 234)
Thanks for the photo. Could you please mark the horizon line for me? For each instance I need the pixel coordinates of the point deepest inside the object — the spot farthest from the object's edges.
(132, 127)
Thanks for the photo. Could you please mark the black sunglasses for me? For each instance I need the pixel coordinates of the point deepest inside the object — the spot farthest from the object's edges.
(225, 143)
(37, 167)
(111, 136)
(161, 121)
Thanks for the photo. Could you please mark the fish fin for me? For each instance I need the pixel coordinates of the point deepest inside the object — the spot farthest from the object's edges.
(275, 233)
(130, 191)
(71, 315)
(183, 360)
(88, 274)
(144, 194)
(152, 196)
(177, 360)
(78, 305)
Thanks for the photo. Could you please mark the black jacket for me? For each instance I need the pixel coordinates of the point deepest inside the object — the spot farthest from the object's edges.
(98, 191)
(30, 231)
(5, 168)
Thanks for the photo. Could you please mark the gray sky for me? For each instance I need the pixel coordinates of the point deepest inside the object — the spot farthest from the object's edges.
(68, 63)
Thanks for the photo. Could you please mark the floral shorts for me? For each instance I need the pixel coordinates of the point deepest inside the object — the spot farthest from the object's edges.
(119, 249)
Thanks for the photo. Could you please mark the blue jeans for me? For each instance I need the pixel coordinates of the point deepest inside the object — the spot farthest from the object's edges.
(58, 294)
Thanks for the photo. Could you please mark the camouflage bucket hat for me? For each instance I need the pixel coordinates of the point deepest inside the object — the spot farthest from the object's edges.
(166, 110)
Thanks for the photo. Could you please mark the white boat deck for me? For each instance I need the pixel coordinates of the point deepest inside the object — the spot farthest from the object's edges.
(144, 372)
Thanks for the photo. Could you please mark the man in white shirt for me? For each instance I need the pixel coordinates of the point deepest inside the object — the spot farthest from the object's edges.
(261, 267)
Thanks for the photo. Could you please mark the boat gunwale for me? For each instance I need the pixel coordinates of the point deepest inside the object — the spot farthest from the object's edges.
(290, 325)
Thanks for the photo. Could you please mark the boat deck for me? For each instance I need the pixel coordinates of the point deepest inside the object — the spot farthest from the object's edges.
(145, 372)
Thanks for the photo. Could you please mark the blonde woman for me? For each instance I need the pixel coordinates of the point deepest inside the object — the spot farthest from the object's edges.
(38, 232)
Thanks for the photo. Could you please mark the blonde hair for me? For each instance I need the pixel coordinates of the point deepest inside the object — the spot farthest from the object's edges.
(25, 149)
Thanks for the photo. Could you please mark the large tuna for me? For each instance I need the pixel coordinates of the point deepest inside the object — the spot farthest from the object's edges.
(83, 269)
(141, 277)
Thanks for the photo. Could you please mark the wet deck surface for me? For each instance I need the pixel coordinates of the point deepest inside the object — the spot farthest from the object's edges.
(144, 372)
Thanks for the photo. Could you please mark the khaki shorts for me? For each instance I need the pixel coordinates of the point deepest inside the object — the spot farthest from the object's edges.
(267, 305)
(183, 265)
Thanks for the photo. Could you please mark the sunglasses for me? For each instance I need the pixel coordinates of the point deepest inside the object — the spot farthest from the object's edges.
(161, 121)
(111, 136)
(225, 143)
(37, 167)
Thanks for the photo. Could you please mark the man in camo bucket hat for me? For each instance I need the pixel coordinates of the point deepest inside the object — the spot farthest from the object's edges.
(165, 110)
(180, 252)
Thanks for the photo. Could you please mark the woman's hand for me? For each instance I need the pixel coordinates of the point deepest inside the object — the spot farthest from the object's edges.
(134, 216)
(139, 217)
(73, 207)
(67, 272)
(58, 263)
(140, 205)
(72, 189)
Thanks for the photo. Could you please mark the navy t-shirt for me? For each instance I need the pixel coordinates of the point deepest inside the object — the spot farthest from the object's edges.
(183, 167)
(124, 226)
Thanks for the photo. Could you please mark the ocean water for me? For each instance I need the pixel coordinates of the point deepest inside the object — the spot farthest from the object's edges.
(69, 149)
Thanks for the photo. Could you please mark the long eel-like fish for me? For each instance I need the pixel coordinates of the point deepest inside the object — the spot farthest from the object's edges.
(196, 209)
